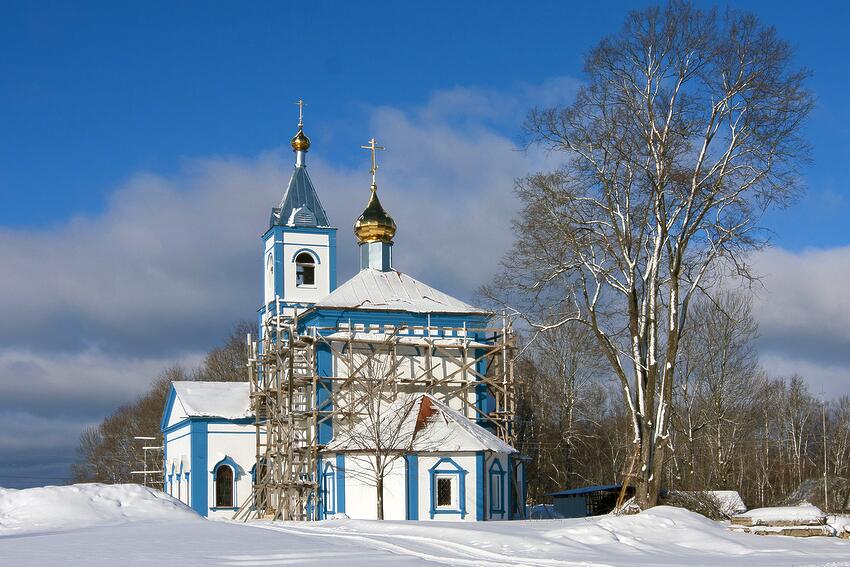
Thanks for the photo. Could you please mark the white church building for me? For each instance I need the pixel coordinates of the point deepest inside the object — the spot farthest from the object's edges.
(436, 462)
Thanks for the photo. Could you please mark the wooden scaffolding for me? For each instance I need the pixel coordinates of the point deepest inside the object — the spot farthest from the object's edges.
(292, 400)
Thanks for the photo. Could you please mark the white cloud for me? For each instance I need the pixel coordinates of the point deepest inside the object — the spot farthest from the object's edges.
(803, 311)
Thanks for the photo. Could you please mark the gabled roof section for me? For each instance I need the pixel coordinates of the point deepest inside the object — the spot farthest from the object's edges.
(228, 400)
(393, 291)
(420, 424)
(300, 205)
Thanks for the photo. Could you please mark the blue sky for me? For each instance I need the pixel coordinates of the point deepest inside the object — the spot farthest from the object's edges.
(94, 92)
(142, 145)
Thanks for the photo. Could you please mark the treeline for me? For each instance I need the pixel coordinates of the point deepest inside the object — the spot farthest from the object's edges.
(109, 451)
(733, 426)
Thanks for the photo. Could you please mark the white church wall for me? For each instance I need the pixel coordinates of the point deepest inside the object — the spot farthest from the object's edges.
(361, 494)
(236, 442)
(427, 484)
(178, 463)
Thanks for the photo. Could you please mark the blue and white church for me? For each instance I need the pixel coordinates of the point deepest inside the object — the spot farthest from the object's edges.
(434, 429)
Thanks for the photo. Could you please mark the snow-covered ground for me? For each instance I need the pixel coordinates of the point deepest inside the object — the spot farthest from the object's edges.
(97, 525)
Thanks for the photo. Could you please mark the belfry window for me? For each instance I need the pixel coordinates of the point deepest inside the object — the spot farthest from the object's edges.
(305, 270)
(224, 487)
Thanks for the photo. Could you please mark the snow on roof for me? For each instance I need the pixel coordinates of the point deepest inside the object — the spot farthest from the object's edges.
(455, 432)
(228, 400)
(804, 513)
(393, 290)
(406, 425)
(729, 500)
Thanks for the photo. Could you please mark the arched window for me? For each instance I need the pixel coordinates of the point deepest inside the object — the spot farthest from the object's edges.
(305, 270)
(270, 275)
(224, 487)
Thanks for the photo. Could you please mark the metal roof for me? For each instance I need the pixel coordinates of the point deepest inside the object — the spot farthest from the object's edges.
(587, 490)
(300, 205)
(393, 291)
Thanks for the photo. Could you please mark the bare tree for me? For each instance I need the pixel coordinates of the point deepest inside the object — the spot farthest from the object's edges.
(227, 363)
(381, 432)
(688, 128)
(715, 388)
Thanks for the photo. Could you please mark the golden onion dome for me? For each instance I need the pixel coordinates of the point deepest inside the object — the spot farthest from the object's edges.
(374, 225)
(300, 142)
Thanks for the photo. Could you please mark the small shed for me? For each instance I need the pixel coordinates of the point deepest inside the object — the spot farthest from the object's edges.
(587, 500)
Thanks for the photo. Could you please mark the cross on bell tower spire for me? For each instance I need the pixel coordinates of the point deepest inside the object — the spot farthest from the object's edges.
(301, 104)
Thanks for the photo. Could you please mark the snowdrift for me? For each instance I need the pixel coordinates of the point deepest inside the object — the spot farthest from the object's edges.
(61, 508)
(662, 536)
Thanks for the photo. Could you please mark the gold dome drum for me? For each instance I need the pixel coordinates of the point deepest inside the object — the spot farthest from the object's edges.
(374, 225)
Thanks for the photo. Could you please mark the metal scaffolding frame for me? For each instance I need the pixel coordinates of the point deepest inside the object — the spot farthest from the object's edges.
(291, 401)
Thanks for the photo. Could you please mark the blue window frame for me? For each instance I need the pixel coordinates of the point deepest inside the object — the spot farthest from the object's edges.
(497, 488)
(448, 488)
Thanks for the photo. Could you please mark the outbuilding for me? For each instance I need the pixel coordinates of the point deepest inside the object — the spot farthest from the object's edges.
(588, 500)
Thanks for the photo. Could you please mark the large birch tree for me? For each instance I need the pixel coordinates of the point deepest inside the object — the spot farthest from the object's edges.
(687, 129)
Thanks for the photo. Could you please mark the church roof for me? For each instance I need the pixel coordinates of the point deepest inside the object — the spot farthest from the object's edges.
(421, 423)
(228, 400)
(392, 290)
(300, 205)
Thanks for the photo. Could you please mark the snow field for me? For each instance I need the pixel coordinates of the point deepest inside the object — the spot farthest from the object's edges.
(95, 525)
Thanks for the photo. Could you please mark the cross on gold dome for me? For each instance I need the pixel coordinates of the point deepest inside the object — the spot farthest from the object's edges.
(301, 104)
(374, 148)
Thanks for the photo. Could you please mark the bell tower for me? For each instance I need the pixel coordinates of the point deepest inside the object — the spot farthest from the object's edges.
(299, 259)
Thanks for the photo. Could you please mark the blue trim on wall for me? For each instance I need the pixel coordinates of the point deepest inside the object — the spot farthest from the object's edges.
(479, 486)
(309, 251)
(324, 367)
(169, 404)
(455, 469)
(340, 483)
(524, 491)
(165, 462)
(496, 480)
(238, 471)
(332, 259)
(411, 472)
(198, 450)
(511, 500)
